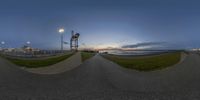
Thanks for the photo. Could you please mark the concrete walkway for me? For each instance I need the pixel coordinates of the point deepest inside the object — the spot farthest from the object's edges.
(60, 67)
(101, 79)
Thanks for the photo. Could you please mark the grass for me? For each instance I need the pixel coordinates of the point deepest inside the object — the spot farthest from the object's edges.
(148, 63)
(38, 63)
(86, 55)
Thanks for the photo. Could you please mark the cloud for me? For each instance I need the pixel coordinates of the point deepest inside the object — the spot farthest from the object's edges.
(144, 44)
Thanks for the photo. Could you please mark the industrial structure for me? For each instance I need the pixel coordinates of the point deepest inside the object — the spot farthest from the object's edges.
(74, 41)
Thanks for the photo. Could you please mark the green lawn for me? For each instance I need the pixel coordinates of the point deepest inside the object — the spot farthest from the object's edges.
(147, 63)
(86, 55)
(39, 63)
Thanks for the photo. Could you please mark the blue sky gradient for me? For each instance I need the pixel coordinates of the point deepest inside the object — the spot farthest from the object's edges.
(101, 23)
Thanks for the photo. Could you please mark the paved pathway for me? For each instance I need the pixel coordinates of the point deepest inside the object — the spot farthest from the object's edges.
(100, 79)
(68, 64)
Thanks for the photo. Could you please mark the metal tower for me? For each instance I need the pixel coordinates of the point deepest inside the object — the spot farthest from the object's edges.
(74, 41)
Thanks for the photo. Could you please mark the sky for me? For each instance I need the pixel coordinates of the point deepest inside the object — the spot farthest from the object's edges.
(127, 24)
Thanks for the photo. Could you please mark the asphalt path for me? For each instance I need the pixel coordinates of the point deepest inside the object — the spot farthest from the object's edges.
(100, 79)
(66, 65)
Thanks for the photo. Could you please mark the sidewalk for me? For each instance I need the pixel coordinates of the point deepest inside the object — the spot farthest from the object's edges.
(68, 64)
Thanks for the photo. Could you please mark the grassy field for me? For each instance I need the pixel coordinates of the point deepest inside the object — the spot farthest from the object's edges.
(86, 55)
(147, 63)
(38, 63)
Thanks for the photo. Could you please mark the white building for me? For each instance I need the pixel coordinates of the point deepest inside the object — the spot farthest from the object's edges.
(196, 49)
(9, 49)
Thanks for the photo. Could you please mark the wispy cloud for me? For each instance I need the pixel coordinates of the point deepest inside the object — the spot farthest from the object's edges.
(137, 46)
(143, 45)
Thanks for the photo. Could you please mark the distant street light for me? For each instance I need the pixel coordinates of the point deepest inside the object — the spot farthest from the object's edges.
(2, 42)
(61, 31)
(28, 42)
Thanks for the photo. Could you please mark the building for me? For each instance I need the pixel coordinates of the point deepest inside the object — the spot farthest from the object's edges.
(196, 49)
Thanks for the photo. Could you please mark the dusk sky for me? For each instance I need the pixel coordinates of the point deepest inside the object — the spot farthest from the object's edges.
(101, 23)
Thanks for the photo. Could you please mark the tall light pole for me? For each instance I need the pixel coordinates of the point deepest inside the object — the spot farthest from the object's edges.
(61, 31)
(28, 43)
(2, 43)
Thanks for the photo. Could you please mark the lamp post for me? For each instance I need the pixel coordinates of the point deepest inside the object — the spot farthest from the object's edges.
(2, 47)
(28, 47)
(61, 31)
(28, 43)
(2, 43)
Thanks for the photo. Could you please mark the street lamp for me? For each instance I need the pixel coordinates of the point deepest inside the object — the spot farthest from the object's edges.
(61, 31)
(28, 42)
(2, 43)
